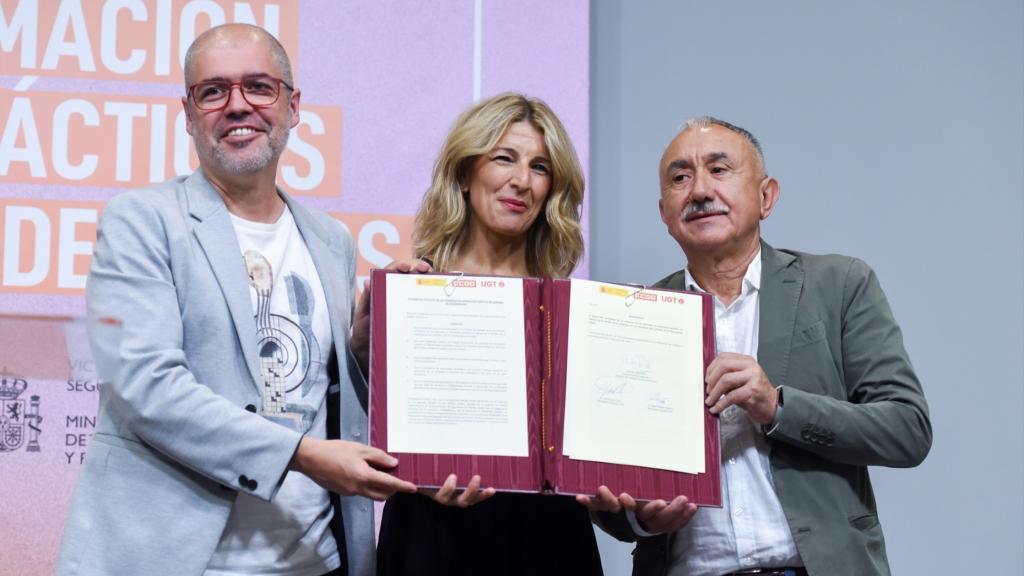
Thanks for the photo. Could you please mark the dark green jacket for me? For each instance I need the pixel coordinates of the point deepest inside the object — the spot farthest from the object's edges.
(850, 400)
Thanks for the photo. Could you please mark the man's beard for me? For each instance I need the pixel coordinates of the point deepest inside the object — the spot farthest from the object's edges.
(244, 161)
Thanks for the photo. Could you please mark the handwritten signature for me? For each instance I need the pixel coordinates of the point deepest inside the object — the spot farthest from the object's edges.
(611, 390)
(659, 398)
(637, 362)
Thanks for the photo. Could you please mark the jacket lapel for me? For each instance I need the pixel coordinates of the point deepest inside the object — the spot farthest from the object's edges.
(321, 250)
(326, 255)
(216, 236)
(781, 282)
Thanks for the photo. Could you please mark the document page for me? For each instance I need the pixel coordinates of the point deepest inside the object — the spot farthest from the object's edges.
(456, 365)
(635, 377)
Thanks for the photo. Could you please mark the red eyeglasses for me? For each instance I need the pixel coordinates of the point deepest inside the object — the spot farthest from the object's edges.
(259, 92)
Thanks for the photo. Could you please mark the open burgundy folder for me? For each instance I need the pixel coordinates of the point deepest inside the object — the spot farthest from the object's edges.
(546, 469)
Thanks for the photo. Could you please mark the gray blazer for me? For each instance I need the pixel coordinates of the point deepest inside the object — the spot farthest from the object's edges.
(177, 438)
(850, 400)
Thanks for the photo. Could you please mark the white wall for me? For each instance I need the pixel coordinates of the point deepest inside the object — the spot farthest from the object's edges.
(897, 132)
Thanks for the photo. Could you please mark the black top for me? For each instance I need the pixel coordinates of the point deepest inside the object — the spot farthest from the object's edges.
(508, 534)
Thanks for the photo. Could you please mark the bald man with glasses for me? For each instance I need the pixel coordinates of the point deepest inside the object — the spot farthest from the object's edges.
(231, 439)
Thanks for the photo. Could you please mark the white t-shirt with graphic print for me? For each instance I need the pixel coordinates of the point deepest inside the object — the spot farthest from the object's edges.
(289, 536)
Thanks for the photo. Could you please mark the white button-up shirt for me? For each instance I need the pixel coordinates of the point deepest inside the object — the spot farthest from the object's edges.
(750, 528)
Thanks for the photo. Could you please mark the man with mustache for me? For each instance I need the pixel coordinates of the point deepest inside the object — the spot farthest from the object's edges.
(230, 440)
(812, 385)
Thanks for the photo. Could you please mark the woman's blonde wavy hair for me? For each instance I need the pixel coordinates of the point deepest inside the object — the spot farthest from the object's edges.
(555, 240)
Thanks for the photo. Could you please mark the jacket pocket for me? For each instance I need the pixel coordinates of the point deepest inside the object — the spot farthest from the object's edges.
(809, 334)
(871, 540)
(864, 522)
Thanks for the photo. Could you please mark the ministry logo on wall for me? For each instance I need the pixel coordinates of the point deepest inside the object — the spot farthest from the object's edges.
(19, 420)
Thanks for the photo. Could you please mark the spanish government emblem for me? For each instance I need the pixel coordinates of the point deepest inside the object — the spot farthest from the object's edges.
(18, 422)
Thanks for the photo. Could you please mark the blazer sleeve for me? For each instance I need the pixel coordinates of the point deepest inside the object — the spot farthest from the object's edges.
(615, 524)
(883, 419)
(155, 398)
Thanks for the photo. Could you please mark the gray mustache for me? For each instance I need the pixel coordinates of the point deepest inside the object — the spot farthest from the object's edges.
(708, 206)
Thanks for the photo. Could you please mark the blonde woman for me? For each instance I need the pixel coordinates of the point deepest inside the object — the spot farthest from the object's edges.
(505, 199)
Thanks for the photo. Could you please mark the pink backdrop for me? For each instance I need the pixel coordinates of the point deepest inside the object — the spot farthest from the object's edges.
(89, 103)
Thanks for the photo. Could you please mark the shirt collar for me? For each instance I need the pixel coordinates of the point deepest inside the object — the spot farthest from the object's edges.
(751, 280)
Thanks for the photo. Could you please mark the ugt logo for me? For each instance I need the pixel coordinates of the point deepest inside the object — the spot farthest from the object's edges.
(17, 422)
